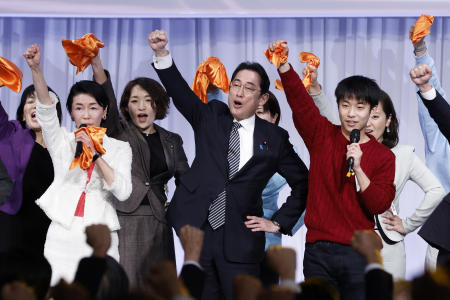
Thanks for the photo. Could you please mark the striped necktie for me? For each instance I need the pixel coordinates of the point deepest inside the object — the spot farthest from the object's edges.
(216, 215)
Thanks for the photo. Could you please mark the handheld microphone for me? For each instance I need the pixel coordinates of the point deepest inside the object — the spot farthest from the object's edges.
(354, 138)
(79, 148)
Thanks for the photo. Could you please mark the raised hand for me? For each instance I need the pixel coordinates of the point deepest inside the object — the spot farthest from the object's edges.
(85, 139)
(282, 261)
(421, 76)
(33, 56)
(274, 44)
(158, 41)
(368, 243)
(192, 241)
(246, 287)
(315, 86)
(99, 238)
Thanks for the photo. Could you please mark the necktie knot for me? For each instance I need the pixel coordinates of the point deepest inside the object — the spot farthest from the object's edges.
(236, 126)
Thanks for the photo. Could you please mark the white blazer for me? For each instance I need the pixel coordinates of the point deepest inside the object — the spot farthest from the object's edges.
(60, 200)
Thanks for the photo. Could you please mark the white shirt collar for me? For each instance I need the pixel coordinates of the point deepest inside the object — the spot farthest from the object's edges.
(248, 124)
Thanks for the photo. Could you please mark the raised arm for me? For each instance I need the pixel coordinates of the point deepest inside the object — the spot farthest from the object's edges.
(102, 77)
(438, 108)
(181, 164)
(185, 100)
(307, 119)
(320, 98)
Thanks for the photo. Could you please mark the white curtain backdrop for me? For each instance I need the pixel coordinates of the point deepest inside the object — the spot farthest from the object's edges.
(374, 47)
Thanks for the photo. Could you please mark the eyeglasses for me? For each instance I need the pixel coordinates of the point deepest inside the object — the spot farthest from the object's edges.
(248, 89)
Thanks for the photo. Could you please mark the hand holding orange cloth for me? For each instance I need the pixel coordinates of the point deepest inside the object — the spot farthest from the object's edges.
(278, 56)
(96, 135)
(421, 28)
(310, 59)
(10, 75)
(211, 71)
(81, 51)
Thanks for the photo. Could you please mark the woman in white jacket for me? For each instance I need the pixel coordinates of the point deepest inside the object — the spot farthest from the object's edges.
(383, 125)
(78, 197)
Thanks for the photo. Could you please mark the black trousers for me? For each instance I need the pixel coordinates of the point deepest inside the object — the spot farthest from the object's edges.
(338, 264)
(220, 272)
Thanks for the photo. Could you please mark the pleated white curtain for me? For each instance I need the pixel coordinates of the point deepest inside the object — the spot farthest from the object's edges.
(374, 47)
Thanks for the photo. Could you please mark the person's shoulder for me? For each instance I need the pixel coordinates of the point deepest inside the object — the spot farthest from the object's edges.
(403, 150)
(381, 151)
(166, 133)
(218, 107)
(115, 143)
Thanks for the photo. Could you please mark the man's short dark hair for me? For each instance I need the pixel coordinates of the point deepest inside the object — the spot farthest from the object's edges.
(255, 67)
(273, 107)
(360, 88)
(160, 99)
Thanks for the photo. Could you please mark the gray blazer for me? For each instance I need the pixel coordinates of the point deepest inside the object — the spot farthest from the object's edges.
(6, 184)
(142, 182)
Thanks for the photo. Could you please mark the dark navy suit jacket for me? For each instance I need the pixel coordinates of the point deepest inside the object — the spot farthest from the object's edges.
(207, 177)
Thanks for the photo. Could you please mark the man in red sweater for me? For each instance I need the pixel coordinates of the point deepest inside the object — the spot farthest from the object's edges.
(338, 205)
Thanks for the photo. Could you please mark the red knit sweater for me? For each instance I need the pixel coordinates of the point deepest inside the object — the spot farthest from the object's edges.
(334, 208)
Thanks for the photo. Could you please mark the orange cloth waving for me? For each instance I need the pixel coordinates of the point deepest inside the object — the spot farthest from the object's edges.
(277, 56)
(421, 28)
(82, 51)
(312, 60)
(279, 85)
(10, 75)
(211, 71)
(85, 159)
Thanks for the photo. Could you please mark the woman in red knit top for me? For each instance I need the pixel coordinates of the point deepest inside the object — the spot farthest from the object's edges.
(338, 205)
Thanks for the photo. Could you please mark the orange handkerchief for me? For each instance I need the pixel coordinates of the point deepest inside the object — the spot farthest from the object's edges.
(277, 57)
(421, 28)
(85, 159)
(310, 59)
(10, 75)
(279, 85)
(82, 51)
(211, 71)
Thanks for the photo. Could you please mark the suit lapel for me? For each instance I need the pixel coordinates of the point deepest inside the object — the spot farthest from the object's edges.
(168, 147)
(224, 131)
(142, 148)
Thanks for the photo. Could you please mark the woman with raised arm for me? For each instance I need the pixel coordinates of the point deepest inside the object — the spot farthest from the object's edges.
(158, 155)
(23, 151)
(383, 125)
(82, 191)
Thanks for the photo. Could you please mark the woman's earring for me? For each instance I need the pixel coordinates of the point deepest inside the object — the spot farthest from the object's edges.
(387, 130)
(104, 117)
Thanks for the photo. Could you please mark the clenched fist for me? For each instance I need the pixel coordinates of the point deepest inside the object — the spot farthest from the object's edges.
(158, 41)
(421, 76)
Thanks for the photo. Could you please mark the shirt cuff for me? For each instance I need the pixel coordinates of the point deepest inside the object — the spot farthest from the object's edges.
(291, 285)
(372, 266)
(430, 95)
(162, 62)
(193, 262)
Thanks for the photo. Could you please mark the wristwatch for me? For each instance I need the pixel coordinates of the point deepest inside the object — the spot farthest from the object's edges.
(276, 224)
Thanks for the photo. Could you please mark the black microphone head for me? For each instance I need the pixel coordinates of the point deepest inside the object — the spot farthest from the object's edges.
(84, 125)
(354, 136)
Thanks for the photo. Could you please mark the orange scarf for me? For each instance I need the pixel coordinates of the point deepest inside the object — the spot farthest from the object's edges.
(277, 56)
(85, 159)
(81, 51)
(310, 59)
(10, 75)
(421, 28)
(211, 71)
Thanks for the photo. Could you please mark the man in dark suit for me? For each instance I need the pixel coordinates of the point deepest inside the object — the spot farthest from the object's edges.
(6, 184)
(236, 154)
(436, 229)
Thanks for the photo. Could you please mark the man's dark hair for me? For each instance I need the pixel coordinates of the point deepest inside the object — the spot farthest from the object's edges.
(23, 100)
(273, 107)
(255, 67)
(160, 99)
(88, 87)
(360, 88)
(390, 139)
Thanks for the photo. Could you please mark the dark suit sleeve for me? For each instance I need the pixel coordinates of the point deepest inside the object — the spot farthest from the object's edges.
(90, 273)
(439, 110)
(6, 184)
(181, 165)
(112, 122)
(379, 285)
(292, 168)
(184, 99)
(193, 278)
